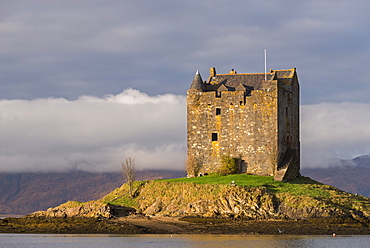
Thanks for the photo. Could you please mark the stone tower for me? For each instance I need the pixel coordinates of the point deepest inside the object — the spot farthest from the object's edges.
(251, 116)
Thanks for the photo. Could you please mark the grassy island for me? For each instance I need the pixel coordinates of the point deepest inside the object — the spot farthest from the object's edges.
(232, 204)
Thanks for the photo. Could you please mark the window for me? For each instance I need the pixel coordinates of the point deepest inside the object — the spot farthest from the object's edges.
(214, 136)
(218, 111)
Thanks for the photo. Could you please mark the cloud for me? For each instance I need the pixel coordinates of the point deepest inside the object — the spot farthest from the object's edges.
(334, 130)
(93, 134)
(65, 49)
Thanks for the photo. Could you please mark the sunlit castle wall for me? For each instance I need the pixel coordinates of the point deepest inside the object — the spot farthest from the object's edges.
(246, 117)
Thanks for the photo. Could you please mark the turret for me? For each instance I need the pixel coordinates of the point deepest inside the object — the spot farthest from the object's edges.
(197, 83)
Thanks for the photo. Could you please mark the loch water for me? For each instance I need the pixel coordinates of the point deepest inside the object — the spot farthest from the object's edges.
(179, 241)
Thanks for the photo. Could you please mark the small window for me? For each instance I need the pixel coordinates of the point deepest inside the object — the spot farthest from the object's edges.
(218, 111)
(214, 136)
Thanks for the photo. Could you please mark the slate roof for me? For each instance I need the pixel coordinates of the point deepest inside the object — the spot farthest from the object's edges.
(197, 83)
(251, 81)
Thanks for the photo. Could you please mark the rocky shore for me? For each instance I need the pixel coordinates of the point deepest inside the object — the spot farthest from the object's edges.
(185, 225)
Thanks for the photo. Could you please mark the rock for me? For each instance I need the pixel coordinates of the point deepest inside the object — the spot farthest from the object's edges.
(69, 209)
(156, 198)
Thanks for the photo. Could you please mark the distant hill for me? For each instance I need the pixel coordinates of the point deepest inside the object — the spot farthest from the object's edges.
(350, 175)
(23, 193)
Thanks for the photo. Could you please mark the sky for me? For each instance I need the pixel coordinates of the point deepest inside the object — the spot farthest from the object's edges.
(86, 83)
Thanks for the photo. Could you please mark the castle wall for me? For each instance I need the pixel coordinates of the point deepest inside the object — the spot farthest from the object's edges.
(245, 126)
(288, 117)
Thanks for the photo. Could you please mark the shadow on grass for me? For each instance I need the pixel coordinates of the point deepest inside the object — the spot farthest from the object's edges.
(271, 188)
(299, 181)
(304, 180)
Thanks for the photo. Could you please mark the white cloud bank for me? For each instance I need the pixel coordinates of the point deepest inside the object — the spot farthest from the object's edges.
(95, 134)
(334, 130)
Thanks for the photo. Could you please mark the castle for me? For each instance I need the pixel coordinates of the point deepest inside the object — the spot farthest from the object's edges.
(253, 117)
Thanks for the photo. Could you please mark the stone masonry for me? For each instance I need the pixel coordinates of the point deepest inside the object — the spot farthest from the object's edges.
(246, 117)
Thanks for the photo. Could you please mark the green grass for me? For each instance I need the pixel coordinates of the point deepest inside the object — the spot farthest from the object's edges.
(240, 179)
(300, 186)
(125, 201)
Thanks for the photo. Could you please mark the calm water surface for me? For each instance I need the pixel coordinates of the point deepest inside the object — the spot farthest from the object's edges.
(178, 241)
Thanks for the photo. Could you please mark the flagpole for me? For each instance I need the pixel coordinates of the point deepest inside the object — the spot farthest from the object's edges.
(265, 65)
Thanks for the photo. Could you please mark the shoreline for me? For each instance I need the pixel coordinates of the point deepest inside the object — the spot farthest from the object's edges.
(182, 226)
(287, 236)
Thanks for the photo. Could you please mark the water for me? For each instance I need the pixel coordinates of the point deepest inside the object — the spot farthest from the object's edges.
(178, 241)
